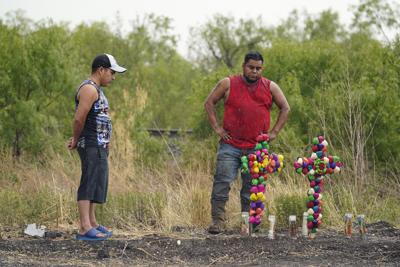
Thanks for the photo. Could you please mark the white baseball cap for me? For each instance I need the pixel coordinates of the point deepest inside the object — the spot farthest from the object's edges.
(107, 61)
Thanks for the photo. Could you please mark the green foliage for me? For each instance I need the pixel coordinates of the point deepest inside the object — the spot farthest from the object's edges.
(13, 208)
(34, 78)
(201, 89)
(38, 83)
(388, 209)
(223, 40)
(287, 205)
(326, 27)
(19, 209)
(343, 83)
(44, 63)
(152, 151)
(133, 209)
(376, 16)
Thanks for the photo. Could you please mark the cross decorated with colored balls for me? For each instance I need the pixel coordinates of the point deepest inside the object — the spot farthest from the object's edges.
(259, 164)
(316, 168)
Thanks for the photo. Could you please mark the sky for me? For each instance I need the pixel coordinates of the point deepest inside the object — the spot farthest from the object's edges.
(184, 13)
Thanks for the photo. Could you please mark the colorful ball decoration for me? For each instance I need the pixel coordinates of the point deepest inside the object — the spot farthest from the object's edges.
(259, 164)
(315, 168)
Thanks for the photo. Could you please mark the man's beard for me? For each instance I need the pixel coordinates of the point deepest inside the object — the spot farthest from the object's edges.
(250, 81)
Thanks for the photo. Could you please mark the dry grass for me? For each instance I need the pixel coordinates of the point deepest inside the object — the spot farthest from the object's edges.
(145, 195)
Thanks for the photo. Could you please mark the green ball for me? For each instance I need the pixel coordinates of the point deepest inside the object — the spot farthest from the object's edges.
(254, 181)
(244, 159)
(315, 141)
(261, 179)
(310, 218)
(314, 230)
(265, 144)
(258, 146)
(311, 198)
(299, 170)
(244, 164)
(311, 177)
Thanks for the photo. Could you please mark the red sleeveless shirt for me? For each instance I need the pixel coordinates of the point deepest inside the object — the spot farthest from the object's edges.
(247, 111)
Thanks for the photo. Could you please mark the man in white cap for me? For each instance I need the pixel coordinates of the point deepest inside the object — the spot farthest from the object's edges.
(91, 136)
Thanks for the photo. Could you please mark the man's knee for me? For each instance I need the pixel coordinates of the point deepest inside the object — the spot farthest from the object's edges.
(220, 191)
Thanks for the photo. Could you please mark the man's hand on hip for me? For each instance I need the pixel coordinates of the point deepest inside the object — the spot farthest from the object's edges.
(223, 134)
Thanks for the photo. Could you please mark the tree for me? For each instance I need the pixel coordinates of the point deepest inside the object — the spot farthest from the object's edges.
(325, 27)
(224, 40)
(34, 76)
(377, 15)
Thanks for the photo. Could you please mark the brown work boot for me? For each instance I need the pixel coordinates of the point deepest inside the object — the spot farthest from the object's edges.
(216, 227)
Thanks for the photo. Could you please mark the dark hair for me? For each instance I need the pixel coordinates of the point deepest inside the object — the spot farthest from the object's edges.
(100, 61)
(254, 55)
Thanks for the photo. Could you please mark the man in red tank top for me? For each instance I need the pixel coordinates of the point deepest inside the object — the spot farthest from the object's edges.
(248, 99)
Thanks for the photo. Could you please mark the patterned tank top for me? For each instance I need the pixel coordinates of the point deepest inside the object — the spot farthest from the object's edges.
(98, 127)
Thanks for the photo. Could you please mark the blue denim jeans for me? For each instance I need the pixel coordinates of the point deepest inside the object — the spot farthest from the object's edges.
(228, 164)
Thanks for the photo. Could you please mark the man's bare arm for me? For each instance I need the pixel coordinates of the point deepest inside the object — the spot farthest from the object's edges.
(220, 91)
(87, 96)
(284, 109)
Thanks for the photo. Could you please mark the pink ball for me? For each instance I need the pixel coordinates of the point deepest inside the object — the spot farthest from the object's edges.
(261, 188)
(254, 189)
(310, 225)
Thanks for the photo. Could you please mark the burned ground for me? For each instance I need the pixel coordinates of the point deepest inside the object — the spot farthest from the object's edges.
(185, 247)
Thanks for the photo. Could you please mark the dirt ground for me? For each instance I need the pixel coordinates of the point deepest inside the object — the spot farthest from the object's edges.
(183, 247)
